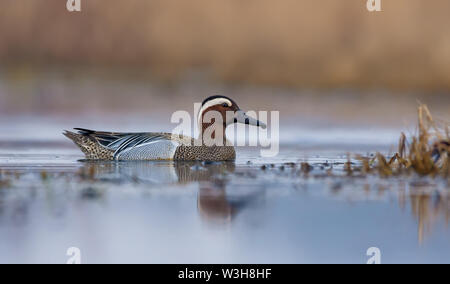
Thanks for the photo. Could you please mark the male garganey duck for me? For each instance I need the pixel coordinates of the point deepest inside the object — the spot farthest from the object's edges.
(97, 145)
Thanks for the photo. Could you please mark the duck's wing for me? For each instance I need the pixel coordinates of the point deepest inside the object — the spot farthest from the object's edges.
(137, 146)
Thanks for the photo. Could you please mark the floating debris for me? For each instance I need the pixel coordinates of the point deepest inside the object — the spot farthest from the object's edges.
(306, 168)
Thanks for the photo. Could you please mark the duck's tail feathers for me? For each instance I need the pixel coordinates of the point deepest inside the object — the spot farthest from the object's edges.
(88, 144)
(84, 131)
(78, 138)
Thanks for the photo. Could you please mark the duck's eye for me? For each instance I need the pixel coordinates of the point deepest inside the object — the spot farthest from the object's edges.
(225, 105)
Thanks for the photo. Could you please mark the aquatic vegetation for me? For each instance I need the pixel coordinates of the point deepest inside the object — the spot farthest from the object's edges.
(426, 154)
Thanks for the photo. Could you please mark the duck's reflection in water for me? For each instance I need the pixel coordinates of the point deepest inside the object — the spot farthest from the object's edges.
(214, 202)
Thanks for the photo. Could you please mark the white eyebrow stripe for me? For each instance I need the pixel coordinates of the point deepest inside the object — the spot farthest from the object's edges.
(208, 104)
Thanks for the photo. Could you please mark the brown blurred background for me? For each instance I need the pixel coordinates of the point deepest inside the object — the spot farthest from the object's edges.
(289, 44)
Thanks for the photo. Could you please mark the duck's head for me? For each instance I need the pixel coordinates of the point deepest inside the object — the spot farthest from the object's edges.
(228, 109)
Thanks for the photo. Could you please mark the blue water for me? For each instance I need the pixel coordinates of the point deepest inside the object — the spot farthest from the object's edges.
(166, 212)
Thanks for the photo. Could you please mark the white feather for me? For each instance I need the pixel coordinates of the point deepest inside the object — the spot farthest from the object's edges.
(208, 104)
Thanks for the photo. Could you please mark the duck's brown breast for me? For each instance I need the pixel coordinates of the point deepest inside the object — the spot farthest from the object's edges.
(205, 153)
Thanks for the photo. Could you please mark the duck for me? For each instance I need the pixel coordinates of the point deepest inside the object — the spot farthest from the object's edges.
(148, 146)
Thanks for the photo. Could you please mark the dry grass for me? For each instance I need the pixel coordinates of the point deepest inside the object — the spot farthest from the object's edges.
(427, 153)
(325, 43)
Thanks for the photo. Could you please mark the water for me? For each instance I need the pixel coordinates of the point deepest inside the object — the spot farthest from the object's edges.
(167, 212)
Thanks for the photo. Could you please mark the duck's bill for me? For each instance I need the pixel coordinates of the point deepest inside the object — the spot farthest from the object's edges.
(242, 117)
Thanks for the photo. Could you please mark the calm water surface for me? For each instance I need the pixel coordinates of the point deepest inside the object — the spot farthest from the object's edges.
(166, 212)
